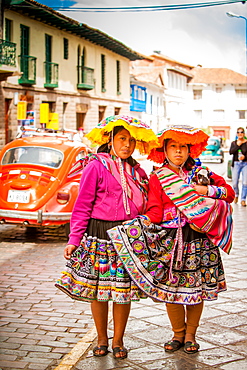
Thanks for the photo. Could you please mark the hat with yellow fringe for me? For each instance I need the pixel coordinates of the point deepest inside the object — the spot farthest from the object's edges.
(145, 138)
(195, 137)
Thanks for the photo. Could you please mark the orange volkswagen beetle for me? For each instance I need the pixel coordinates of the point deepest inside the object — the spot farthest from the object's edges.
(35, 189)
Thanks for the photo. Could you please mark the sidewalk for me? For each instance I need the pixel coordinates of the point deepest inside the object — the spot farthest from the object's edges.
(43, 329)
(222, 334)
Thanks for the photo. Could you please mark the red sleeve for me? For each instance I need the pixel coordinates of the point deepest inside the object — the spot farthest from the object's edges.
(220, 182)
(157, 200)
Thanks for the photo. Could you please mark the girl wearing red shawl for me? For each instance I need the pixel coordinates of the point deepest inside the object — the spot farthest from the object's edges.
(178, 261)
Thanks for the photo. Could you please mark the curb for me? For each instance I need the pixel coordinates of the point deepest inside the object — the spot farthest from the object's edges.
(71, 359)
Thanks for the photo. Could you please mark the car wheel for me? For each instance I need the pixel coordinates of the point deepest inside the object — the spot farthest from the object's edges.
(67, 229)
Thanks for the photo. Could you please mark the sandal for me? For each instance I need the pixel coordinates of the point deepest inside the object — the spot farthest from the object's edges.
(190, 345)
(100, 348)
(117, 350)
(175, 344)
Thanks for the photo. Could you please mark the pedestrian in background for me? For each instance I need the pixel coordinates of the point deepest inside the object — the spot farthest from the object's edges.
(113, 189)
(183, 267)
(238, 149)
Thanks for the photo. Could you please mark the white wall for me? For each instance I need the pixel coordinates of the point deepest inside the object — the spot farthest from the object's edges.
(226, 101)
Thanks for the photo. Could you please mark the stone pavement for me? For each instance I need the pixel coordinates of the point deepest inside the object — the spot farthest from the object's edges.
(38, 323)
(222, 334)
(43, 329)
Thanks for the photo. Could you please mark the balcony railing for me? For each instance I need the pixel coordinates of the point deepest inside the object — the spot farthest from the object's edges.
(7, 53)
(51, 74)
(28, 69)
(85, 78)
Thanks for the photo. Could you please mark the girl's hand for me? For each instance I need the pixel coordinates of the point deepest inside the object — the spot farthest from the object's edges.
(68, 250)
(201, 189)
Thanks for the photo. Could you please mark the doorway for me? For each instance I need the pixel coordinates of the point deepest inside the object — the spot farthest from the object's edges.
(80, 118)
(102, 109)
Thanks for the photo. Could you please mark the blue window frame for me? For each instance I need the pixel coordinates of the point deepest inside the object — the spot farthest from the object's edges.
(138, 98)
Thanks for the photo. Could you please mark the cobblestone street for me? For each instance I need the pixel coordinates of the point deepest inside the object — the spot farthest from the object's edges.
(40, 325)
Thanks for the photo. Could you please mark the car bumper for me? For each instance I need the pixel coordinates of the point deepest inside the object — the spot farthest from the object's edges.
(38, 217)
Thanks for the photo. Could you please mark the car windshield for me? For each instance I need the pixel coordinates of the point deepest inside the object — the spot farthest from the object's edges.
(34, 155)
(213, 142)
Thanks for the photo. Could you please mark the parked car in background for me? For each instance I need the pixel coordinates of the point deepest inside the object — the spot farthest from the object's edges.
(214, 152)
(35, 189)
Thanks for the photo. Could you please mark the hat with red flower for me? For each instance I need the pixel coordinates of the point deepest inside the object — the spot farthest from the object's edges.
(195, 137)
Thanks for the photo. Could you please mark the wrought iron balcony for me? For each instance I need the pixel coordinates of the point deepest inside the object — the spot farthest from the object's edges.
(51, 74)
(85, 78)
(7, 53)
(28, 69)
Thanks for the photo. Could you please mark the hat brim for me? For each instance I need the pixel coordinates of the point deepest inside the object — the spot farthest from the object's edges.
(196, 138)
(145, 138)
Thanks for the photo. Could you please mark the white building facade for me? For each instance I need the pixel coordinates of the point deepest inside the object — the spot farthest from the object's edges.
(174, 76)
(147, 95)
(218, 101)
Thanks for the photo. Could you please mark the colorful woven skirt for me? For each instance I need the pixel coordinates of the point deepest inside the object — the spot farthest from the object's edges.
(149, 257)
(95, 271)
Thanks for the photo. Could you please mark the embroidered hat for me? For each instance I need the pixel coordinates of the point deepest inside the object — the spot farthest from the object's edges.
(143, 134)
(183, 134)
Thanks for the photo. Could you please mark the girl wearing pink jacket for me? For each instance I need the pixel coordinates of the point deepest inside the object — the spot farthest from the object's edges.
(113, 189)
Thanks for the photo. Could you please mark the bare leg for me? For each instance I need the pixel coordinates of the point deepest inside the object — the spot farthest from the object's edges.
(100, 316)
(120, 318)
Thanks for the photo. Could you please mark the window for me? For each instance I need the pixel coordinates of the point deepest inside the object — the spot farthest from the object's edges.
(83, 57)
(24, 40)
(102, 109)
(118, 78)
(117, 111)
(37, 155)
(80, 119)
(80, 155)
(8, 29)
(103, 89)
(219, 115)
(241, 114)
(218, 90)
(176, 81)
(241, 93)
(197, 94)
(48, 48)
(139, 93)
(65, 104)
(65, 48)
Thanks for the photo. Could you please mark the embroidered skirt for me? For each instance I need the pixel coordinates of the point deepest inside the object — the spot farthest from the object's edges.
(95, 271)
(148, 254)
